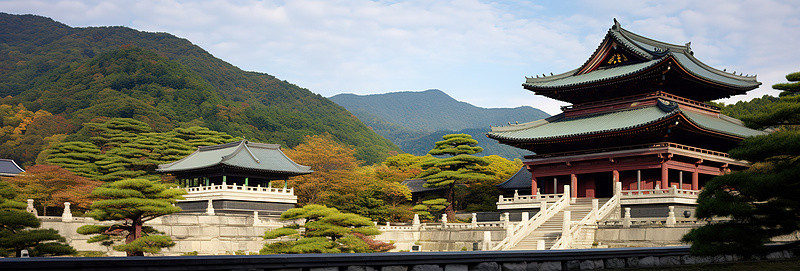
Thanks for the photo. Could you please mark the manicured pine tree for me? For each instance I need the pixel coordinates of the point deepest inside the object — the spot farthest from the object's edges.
(326, 230)
(763, 201)
(78, 157)
(131, 203)
(18, 230)
(460, 168)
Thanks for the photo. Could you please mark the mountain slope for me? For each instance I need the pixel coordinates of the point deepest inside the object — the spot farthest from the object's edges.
(85, 73)
(415, 120)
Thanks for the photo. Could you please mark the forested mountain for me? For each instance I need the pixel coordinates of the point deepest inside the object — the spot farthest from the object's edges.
(415, 120)
(82, 74)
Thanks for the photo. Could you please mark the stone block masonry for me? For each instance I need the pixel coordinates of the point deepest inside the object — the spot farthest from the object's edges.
(577, 259)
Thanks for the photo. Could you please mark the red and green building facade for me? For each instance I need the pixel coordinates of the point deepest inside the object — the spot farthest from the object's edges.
(637, 117)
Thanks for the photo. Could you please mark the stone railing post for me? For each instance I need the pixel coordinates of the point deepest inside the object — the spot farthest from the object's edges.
(210, 208)
(66, 216)
(565, 227)
(500, 199)
(444, 221)
(673, 190)
(30, 208)
(487, 240)
(595, 209)
(507, 224)
(626, 221)
(525, 216)
(415, 225)
(543, 208)
(671, 217)
(566, 192)
(256, 220)
(474, 221)
(516, 195)
(540, 245)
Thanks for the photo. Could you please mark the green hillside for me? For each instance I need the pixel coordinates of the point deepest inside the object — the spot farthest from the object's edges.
(415, 120)
(88, 73)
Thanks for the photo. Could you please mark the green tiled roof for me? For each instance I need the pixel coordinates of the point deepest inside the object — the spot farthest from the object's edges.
(242, 154)
(594, 76)
(562, 127)
(653, 52)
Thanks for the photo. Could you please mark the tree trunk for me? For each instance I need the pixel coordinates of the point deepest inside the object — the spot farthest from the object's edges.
(136, 233)
(450, 210)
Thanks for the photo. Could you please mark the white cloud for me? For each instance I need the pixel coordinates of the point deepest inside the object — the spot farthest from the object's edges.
(476, 51)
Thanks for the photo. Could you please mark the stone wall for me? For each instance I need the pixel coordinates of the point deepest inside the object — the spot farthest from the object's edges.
(580, 259)
(640, 237)
(205, 234)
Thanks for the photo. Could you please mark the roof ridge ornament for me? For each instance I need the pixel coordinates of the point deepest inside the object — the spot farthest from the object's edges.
(616, 25)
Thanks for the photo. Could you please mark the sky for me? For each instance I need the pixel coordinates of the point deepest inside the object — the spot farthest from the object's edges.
(476, 51)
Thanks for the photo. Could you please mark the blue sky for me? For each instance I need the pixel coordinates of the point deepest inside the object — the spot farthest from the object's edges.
(476, 51)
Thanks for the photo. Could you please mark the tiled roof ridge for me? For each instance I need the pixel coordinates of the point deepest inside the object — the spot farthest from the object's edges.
(666, 106)
(220, 146)
(668, 115)
(653, 63)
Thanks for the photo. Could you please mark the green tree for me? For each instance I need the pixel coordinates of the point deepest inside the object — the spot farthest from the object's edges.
(130, 203)
(325, 230)
(460, 168)
(763, 201)
(18, 230)
(431, 209)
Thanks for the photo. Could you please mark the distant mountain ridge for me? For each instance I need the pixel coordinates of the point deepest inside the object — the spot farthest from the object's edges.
(415, 120)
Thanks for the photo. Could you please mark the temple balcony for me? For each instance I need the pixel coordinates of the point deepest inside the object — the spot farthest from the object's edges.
(672, 195)
(240, 192)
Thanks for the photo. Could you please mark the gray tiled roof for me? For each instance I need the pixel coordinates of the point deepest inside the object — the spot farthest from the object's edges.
(653, 52)
(9, 168)
(520, 180)
(242, 154)
(560, 126)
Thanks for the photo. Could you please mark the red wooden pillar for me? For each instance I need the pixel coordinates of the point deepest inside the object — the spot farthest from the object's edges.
(573, 185)
(664, 176)
(615, 176)
(534, 187)
(696, 178)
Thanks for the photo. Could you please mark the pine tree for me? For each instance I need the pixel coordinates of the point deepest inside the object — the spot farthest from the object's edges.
(18, 230)
(460, 168)
(131, 203)
(326, 230)
(763, 201)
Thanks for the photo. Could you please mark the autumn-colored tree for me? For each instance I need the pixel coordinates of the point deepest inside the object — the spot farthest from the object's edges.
(129, 204)
(23, 133)
(338, 181)
(325, 230)
(51, 186)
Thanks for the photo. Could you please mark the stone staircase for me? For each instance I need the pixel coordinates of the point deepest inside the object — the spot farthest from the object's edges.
(550, 231)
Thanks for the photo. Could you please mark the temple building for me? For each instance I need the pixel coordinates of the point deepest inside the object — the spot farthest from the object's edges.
(639, 117)
(236, 177)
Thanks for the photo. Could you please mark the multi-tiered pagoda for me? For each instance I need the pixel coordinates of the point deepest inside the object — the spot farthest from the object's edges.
(637, 117)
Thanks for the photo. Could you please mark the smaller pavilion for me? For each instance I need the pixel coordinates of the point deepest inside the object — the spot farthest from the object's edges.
(235, 178)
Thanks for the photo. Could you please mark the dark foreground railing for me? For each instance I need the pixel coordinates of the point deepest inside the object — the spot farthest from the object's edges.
(578, 259)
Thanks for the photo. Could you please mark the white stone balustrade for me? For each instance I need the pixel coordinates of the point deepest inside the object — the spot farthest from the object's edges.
(658, 195)
(240, 192)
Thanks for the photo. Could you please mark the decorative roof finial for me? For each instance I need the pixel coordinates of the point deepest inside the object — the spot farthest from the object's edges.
(616, 24)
